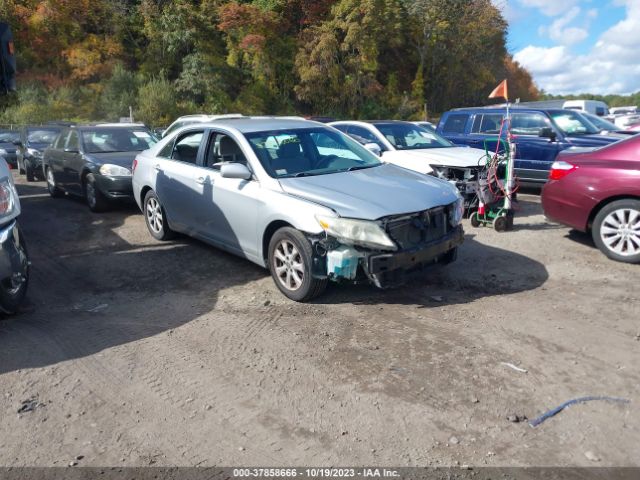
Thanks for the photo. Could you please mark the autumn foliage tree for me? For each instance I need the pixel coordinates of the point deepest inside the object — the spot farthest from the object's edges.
(92, 59)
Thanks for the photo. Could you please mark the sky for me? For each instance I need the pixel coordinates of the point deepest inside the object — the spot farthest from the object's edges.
(577, 46)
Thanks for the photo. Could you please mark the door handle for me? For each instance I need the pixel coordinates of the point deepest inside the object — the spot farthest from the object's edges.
(201, 180)
(157, 167)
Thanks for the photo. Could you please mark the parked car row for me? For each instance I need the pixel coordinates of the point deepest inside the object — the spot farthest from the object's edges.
(346, 201)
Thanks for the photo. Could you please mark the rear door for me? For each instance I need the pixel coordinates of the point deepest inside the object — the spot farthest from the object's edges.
(179, 181)
(454, 127)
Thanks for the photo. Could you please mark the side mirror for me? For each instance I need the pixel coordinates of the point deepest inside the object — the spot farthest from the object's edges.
(547, 132)
(18, 143)
(374, 148)
(235, 170)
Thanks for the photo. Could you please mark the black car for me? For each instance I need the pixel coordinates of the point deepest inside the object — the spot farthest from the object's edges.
(8, 149)
(33, 140)
(94, 162)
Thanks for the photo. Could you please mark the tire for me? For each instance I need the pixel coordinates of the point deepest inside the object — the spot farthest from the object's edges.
(501, 223)
(475, 221)
(28, 169)
(156, 218)
(616, 230)
(96, 200)
(52, 187)
(13, 290)
(290, 260)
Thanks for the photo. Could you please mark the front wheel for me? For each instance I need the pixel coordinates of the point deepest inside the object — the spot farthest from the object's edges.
(95, 198)
(616, 230)
(28, 169)
(13, 289)
(52, 187)
(290, 259)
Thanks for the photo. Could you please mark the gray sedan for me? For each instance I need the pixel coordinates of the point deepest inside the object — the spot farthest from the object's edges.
(299, 198)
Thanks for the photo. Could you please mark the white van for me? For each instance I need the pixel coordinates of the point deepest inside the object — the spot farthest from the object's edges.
(595, 107)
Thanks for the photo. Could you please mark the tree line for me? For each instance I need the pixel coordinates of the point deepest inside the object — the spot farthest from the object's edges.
(92, 59)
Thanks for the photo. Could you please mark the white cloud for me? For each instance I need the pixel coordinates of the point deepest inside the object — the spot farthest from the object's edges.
(562, 33)
(612, 65)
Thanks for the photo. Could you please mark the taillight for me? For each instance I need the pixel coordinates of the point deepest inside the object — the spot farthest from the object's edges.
(561, 169)
(134, 165)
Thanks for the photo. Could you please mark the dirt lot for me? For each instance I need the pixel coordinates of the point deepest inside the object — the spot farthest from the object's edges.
(136, 352)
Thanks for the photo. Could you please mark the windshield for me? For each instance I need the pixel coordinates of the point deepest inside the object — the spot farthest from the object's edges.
(44, 135)
(9, 137)
(309, 151)
(573, 123)
(601, 123)
(406, 136)
(109, 140)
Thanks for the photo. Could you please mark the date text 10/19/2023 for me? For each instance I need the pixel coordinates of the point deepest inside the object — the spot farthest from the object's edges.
(314, 472)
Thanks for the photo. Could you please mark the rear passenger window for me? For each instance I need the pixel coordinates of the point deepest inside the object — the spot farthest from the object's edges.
(528, 123)
(186, 147)
(455, 123)
(490, 124)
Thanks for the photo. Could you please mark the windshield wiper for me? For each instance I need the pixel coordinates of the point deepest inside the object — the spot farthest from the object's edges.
(360, 167)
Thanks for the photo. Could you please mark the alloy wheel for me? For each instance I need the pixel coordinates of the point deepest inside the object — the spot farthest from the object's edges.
(620, 232)
(288, 265)
(154, 215)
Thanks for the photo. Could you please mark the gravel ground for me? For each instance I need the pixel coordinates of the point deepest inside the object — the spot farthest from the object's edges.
(134, 352)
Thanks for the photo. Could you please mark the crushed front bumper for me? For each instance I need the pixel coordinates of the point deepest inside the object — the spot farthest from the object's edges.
(390, 269)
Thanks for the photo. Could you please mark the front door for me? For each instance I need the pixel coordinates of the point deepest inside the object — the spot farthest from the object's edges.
(69, 177)
(231, 212)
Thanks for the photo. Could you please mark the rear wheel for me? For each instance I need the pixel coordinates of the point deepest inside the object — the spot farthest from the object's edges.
(54, 191)
(616, 230)
(156, 218)
(95, 198)
(290, 259)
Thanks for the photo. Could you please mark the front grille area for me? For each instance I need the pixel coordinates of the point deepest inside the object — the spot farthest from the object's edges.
(413, 230)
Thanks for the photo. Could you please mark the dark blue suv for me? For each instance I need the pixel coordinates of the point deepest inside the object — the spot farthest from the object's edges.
(538, 134)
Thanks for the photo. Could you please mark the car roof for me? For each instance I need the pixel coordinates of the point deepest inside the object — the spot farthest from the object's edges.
(261, 124)
(513, 108)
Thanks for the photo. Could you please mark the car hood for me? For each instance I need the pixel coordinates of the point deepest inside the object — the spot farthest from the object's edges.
(122, 159)
(39, 146)
(447, 156)
(592, 140)
(373, 193)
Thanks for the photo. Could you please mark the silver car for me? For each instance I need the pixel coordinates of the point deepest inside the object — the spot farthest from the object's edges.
(299, 198)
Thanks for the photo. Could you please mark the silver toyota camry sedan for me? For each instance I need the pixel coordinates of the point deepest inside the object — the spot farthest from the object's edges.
(299, 198)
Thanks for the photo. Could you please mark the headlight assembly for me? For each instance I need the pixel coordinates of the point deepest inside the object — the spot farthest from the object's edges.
(456, 212)
(110, 170)
(356, 232)
(9, 207)
(34, 153)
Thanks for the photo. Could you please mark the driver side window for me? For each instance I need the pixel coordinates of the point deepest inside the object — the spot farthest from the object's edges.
(72, 141)
(364, 136)
(221, 149)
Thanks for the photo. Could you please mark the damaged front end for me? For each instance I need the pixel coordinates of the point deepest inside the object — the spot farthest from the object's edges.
(415, 241)
(465, 179)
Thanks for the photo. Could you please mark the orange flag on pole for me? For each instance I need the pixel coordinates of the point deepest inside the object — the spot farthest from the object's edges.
(500, 91)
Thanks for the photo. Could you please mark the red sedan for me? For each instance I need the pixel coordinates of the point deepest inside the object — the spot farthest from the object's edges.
(599, 192)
